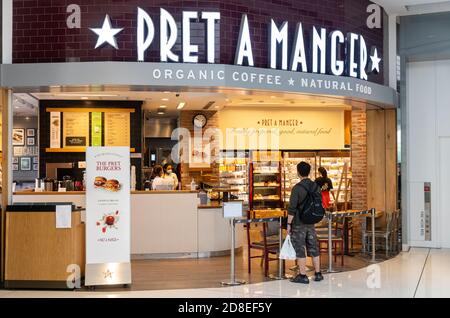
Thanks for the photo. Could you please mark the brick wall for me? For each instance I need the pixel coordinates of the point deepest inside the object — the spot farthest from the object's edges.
(41, 35)
(359, 159)
(200, 175)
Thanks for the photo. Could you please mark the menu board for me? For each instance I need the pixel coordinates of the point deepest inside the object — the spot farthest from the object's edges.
(117, 130)
(55, 130)
(96, 129)
(76, 129)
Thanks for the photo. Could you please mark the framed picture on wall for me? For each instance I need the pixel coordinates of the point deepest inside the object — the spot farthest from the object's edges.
(35, 167)
(35, 160)
(31, 141)
(25, 164)
(31, 132)
(15, 167)
(15, 160)
(18, 137)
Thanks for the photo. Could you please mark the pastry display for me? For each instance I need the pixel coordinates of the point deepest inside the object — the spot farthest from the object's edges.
(266, 183)
(234, 174)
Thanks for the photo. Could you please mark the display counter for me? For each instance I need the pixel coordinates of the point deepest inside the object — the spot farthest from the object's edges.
(164, 224)
(37, 253)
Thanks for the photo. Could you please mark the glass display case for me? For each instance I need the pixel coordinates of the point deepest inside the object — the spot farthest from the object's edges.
(289, 170)
(265, 182)
(234, 173)
(338, 165)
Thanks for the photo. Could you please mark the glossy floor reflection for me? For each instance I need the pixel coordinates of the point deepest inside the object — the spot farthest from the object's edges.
(418, 273)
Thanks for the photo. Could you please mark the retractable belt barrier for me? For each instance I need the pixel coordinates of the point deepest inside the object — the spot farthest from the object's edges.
(329, 215)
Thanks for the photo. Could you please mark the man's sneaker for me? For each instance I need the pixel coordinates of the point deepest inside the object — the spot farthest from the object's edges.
(318, 277)
(301, 279)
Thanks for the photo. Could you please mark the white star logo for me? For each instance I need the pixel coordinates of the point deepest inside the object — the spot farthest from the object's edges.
(107, 34)
(291, 82)
(375, 61)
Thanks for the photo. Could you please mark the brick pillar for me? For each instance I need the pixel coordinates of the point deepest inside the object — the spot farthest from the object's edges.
(359, 159)
(204, 175)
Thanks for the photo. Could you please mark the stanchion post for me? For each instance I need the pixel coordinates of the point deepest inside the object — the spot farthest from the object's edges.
(373, 236)
(233, 281)
(280, 261)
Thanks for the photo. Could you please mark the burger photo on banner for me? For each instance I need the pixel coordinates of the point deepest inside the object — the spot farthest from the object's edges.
(109, 185)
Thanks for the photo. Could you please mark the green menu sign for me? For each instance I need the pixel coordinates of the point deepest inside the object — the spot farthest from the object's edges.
(96, 129)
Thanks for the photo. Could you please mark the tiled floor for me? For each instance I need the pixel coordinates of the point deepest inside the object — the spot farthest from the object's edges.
(418, 273)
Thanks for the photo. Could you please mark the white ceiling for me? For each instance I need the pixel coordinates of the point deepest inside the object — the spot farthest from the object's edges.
(410, 7)
(168, 102)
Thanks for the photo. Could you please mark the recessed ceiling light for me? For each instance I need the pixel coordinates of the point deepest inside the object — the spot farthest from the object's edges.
(166, 92)
(165, 99)
(163, 106)
(181, 105)
(161, 113)
(84, 97)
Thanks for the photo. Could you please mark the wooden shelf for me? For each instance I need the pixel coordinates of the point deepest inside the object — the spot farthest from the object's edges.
(73, 150)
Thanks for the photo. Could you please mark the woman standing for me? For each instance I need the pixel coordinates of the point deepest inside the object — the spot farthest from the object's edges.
(326, 185)
(170, 176)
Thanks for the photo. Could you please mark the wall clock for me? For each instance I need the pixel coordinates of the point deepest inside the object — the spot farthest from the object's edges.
(200, 121)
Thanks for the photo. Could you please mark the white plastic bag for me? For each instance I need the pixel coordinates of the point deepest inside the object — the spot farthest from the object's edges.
(288, 251)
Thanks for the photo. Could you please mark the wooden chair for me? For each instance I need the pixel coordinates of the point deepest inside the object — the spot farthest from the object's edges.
(269, 245)
(337, 243)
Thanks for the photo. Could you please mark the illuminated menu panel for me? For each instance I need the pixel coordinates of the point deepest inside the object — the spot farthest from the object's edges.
(117, 130)
(76, 129)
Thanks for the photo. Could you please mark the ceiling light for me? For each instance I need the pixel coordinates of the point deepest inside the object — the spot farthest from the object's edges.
(273, 97)
(181, 105)
(84, 97)
(165, 99)
(161, 113)
(163, 106)
(437, 6)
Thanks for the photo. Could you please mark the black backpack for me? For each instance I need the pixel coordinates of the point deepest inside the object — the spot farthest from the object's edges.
(313, 210)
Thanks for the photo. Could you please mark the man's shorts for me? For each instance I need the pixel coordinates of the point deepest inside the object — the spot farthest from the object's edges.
(304, 239)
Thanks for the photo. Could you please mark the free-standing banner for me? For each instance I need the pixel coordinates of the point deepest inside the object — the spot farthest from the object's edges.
(108, 216)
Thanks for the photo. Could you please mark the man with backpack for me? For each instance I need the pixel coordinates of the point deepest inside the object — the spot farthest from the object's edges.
(305, 210)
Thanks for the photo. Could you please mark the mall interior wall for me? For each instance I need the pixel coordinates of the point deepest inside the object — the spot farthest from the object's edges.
(424, 49)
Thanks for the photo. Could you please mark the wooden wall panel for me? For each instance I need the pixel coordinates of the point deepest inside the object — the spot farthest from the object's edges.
(391, 160)
(376, 159)
(382, 160)
(4, 95)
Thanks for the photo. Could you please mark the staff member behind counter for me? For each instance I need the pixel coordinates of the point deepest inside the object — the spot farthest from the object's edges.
(170, 176)
(160, 182)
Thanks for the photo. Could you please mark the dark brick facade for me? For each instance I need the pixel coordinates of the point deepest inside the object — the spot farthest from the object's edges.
(41, 35)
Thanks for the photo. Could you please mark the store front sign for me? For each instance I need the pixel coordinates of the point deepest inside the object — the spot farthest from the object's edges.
(108, 233)
(186, 76)
(333, 53)
(281, 129)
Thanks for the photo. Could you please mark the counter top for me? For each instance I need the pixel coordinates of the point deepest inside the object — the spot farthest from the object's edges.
(38, 207)
(212, 205)
(83, 192)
